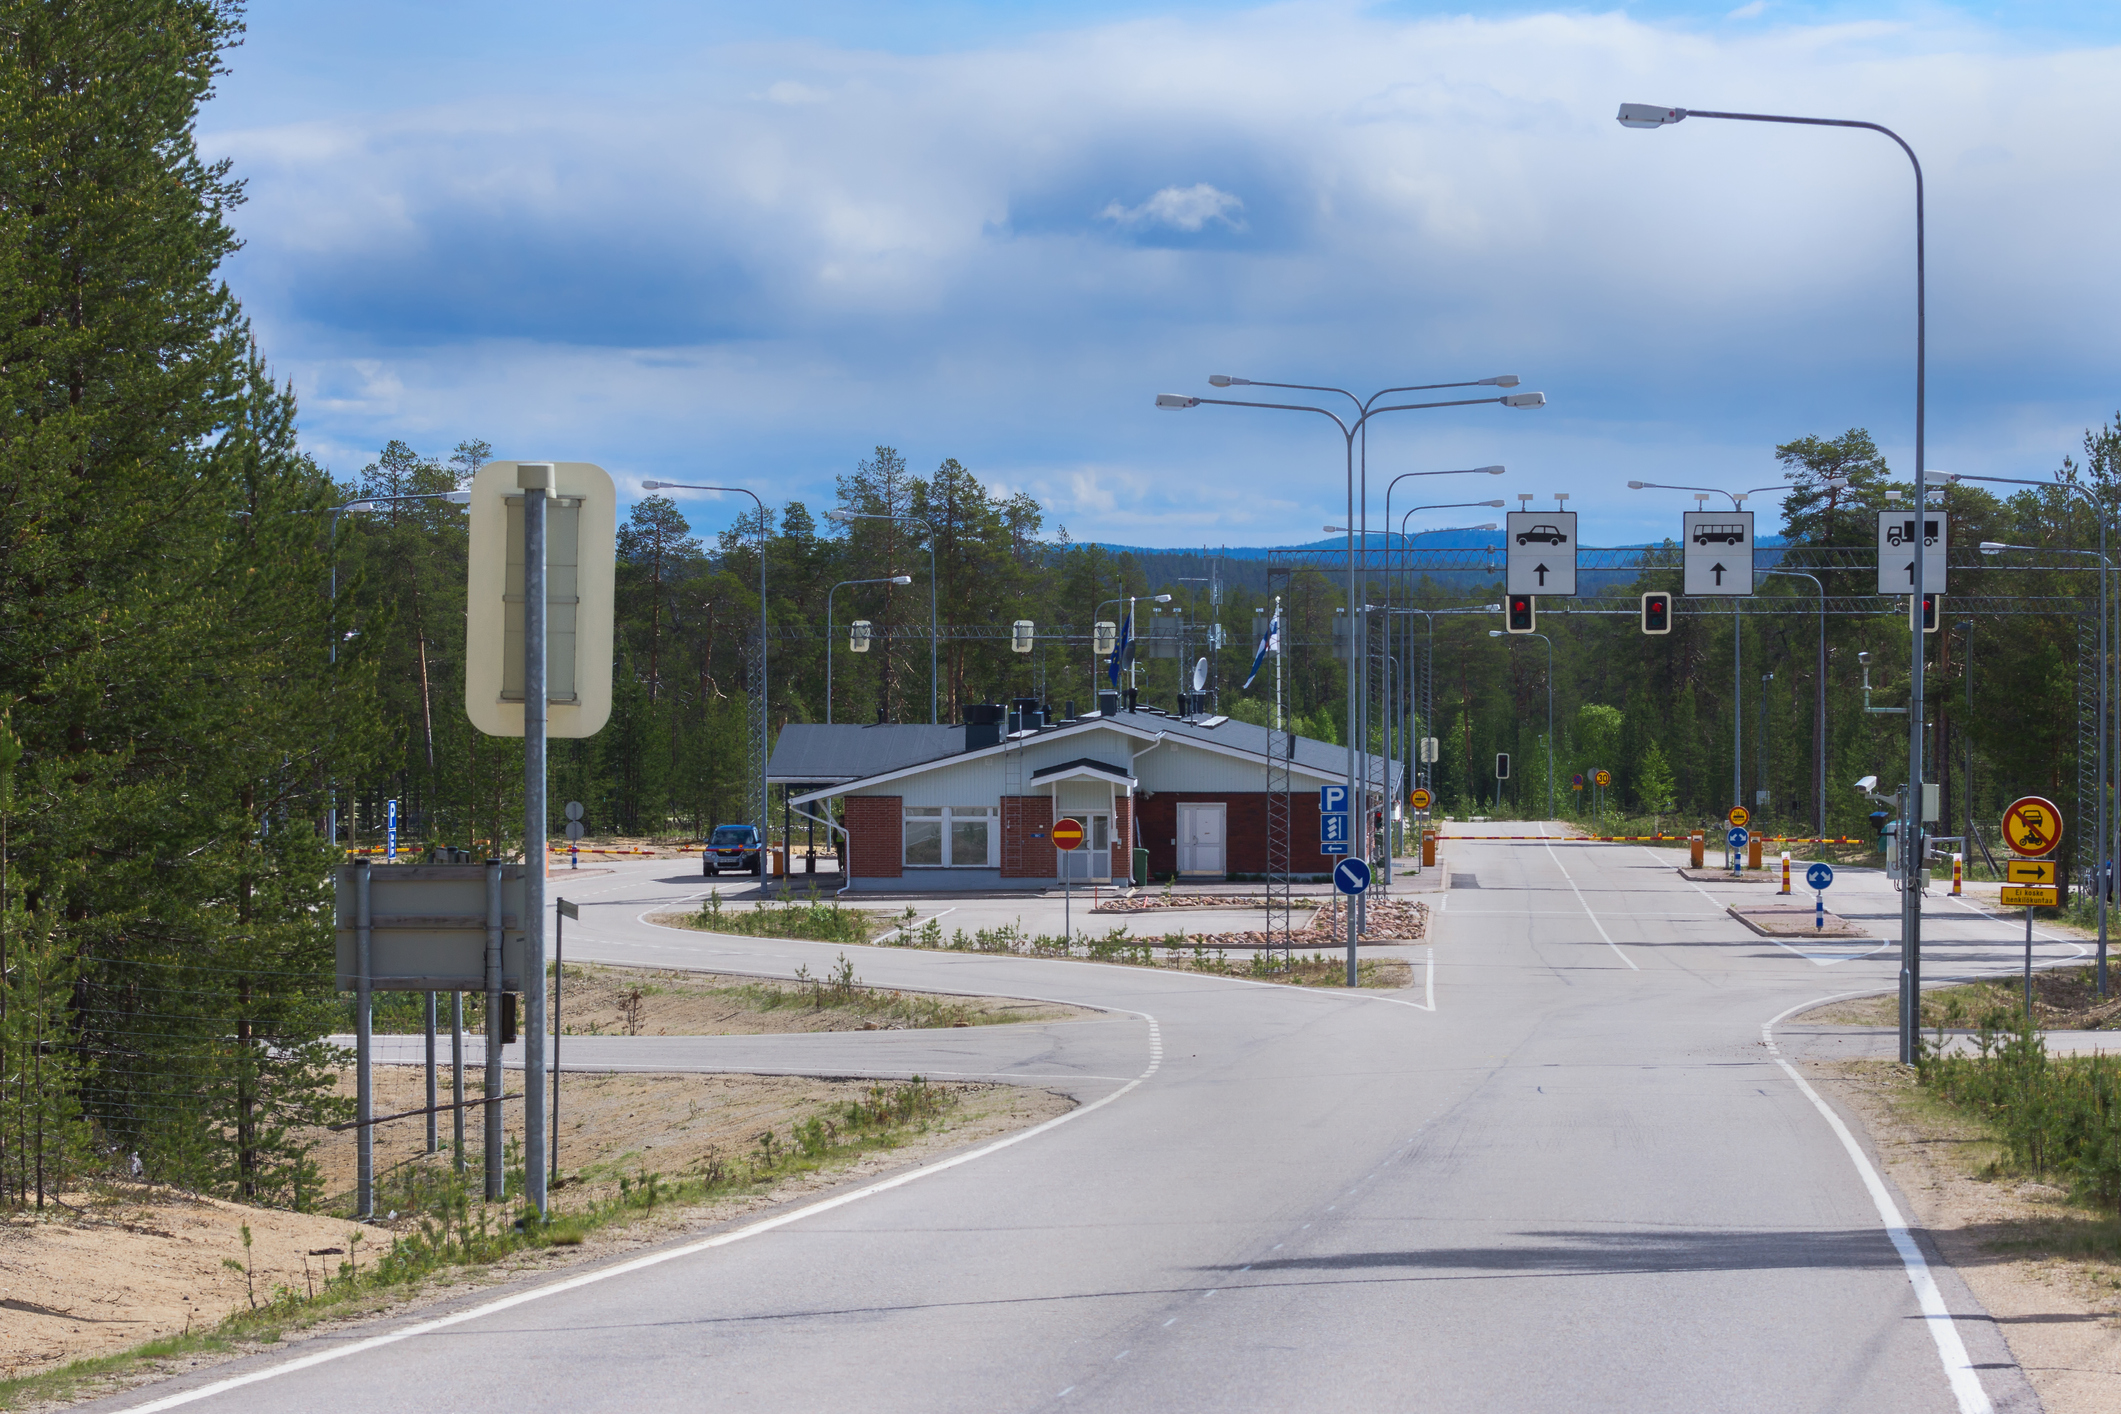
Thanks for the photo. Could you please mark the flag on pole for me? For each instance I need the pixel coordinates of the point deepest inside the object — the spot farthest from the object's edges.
(1119, 648)
(1269, 642)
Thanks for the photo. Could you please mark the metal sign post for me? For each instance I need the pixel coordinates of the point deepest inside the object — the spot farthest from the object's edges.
(1067, 837)
(536, 480)
(561, 914)
(1351, 877)
(2032, 827)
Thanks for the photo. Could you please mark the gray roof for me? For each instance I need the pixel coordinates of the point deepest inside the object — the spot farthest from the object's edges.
(811, 753)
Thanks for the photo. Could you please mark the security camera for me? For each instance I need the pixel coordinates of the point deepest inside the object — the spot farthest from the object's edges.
(1867, 784)
(1863, 658)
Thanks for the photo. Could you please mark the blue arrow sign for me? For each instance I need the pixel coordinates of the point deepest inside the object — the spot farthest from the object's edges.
(390, 847)
(1332, 800)
(1737, 837)
(1351, 876)
(1819, 876)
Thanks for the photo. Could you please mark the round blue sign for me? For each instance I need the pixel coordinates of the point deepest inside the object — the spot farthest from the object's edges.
(1738, 837)
(1351, 876)
(1819, 876)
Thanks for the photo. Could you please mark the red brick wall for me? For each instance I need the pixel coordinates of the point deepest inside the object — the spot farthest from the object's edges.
(1245, 819)
(876, 836)
(1022, 856)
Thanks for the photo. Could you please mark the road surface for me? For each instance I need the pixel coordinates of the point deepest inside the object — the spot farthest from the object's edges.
(1568, 1171)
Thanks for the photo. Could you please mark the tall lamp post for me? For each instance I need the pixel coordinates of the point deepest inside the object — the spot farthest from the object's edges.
(889, 579)
(1645, 115)
(1818, 705)
(1352, 428)
(841, 515)
(765, 747)
(1498, 633)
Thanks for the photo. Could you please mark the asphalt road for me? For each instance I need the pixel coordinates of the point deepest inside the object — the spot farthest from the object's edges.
(1574, 1173)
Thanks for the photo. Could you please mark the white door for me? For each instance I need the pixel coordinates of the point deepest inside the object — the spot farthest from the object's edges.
(1090, 861)
(1201, 839)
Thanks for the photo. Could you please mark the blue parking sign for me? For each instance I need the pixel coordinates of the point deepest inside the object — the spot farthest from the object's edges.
(1819, 876)
(1332, 800)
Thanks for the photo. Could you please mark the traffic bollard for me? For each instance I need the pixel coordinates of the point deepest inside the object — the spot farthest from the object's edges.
(1785, 871)
(1958, 873)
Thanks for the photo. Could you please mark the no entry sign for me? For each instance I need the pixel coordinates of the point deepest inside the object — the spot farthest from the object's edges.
(1067, 834)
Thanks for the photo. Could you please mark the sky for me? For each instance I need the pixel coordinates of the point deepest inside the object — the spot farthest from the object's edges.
(745, 245)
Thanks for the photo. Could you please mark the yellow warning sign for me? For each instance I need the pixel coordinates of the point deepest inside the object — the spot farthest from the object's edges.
(2029, 871)
(2032, 826)
(2029, 897)
(1739, 815)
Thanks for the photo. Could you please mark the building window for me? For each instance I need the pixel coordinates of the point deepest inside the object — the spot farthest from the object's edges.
(953, 836)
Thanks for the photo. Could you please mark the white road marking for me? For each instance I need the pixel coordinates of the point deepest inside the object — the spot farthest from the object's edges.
(1958, 1365)
(1585, 904)
(520, 1298)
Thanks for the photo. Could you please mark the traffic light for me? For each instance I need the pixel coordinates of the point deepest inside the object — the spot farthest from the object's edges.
(1502, 765)
(1931, 605)
(1523, 616)
(1657, 612)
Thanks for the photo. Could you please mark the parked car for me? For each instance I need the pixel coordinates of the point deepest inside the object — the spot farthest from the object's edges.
(1544, 534)
(733, 847)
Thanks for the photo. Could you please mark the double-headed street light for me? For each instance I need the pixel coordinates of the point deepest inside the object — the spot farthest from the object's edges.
(1650, 115)
(841, 515)
(1351, 430)
(888, 579)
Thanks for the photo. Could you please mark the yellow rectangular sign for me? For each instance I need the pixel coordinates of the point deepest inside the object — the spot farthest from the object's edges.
(2029, 871)
(2031, 897)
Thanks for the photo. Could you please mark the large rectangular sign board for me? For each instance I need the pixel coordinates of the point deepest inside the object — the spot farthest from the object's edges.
(427, 927)
(1718, 548)
(1896, 551)
(1542, 549)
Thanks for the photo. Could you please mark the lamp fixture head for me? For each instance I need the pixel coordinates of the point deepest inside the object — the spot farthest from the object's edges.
(457, 498)
(1176, 400)
(1993, 547)
(652, 485)
(902, 579)
(1637, 485)
(1224, 380)
(840, 515)
(1524, 400)
(1649, 115)
(1505, 380)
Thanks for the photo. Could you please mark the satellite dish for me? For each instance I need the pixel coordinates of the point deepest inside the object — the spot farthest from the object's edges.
(1200, 675)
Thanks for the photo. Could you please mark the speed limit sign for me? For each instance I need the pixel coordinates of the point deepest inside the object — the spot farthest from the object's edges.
(1421, 799)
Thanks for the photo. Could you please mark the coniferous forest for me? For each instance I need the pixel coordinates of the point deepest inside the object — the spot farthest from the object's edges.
(203, 653)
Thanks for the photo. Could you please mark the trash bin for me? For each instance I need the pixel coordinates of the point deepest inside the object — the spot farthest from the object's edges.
(1141, 868)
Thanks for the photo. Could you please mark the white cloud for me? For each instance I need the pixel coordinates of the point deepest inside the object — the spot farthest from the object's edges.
(681, 275)
(1750, 11)
(1181, 208)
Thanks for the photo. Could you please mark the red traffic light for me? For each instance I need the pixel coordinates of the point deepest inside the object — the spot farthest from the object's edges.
(1523, 616)
(1657, 612)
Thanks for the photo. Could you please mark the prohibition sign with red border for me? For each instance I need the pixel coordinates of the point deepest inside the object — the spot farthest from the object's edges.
(2032, 826)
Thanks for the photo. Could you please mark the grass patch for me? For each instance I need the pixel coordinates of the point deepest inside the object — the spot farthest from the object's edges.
(447, 1225)
(2064, 999)
(814, 919)
(1170, 952)
(2053, 1118)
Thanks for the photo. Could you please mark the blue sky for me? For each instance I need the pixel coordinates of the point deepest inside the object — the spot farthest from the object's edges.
(747, 243)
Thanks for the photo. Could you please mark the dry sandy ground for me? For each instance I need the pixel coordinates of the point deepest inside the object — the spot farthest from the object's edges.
(129, 1265)
(2009, 1239)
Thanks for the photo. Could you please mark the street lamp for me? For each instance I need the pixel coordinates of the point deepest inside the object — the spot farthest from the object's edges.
(765, 791)
(1498, 633)
(843, 516)
(1350, 430)
(890, 579)
(1646, 115)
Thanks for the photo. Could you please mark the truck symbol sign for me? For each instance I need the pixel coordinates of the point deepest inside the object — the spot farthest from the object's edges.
(1719, 535)
(1903, 533)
